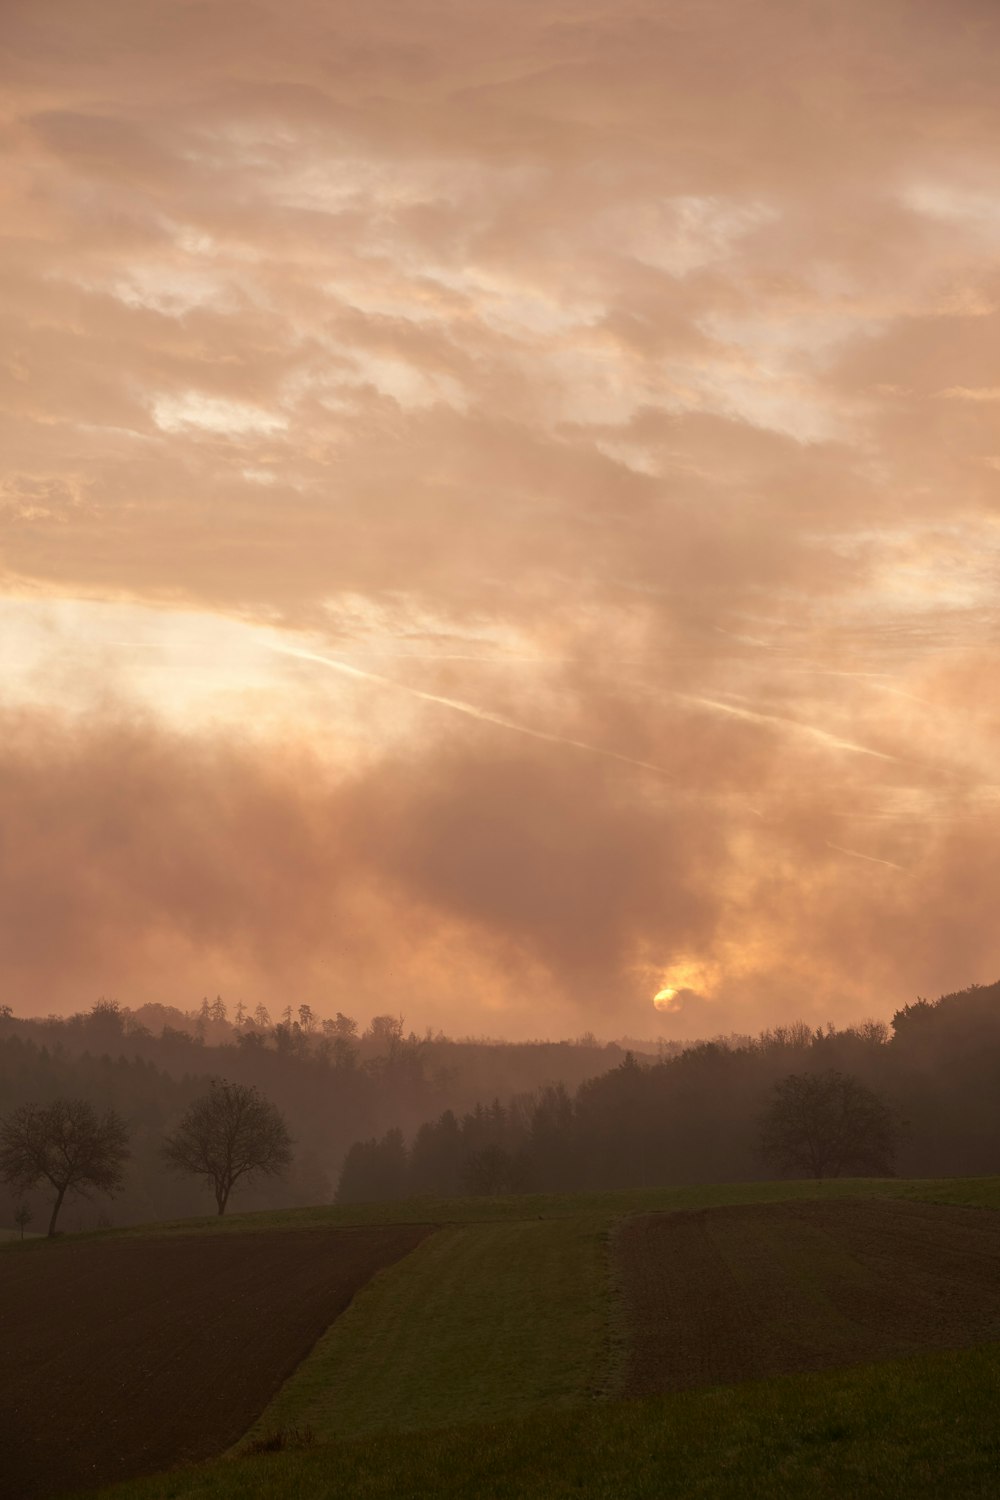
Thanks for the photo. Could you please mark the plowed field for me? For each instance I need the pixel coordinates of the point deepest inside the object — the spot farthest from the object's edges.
(118, 1357)
(721, 1295)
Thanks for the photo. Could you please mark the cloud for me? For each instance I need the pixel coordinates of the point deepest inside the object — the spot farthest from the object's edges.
(967, 393)
(151, 863)
(502, 885)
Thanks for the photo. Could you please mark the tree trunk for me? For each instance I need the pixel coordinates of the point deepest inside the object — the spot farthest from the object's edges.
(60, 1195)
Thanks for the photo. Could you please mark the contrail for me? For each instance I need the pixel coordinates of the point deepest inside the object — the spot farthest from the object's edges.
(469, 709)
(489, 661)
(747, 640)
(822, 735)
(872, 858)
(874, 680)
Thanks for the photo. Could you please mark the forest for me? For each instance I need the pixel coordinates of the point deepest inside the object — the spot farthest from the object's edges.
(696, 1117)
(332, 1079)
(379, 1113)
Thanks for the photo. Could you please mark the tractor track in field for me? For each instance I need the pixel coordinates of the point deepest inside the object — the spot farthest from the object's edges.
(721, 1295)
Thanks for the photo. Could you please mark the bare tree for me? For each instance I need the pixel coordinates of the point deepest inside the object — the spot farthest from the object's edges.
(66, 1144)
(232, 1132)
(827, 1124)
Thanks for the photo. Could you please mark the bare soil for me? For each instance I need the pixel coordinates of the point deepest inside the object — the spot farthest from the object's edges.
(721, 1295)
(122, 1356)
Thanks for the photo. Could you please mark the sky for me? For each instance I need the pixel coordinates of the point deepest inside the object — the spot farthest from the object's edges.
(500, 508)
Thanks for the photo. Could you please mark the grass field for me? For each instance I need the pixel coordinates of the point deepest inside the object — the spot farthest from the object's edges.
(496, 1315)
(980, 1192)
(487, 1362)
(921, 1429)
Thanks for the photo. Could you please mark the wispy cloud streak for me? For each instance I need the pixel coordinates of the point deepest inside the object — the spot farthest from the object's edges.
(871, 858)
(821, 736)
(471, 710)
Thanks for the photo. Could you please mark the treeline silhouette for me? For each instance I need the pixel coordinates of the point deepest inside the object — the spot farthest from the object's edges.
(332, 1080)
(695, 1117)
(383, 1114)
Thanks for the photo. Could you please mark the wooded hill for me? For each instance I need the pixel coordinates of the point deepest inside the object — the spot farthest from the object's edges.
(695, 1117)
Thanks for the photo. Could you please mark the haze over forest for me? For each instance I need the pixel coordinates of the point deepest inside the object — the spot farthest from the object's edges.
(499, 509)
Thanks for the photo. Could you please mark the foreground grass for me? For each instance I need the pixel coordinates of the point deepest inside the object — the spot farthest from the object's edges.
(916, 1429)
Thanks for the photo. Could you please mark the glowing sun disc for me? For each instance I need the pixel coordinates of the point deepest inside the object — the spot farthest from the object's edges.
(664, 999)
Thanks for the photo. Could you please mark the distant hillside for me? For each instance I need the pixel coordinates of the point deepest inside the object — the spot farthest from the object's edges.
(694, 1117)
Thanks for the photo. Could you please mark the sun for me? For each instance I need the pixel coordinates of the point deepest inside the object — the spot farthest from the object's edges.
(666, 999)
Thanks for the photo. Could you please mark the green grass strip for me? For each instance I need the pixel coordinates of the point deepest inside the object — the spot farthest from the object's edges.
(481, 1321)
